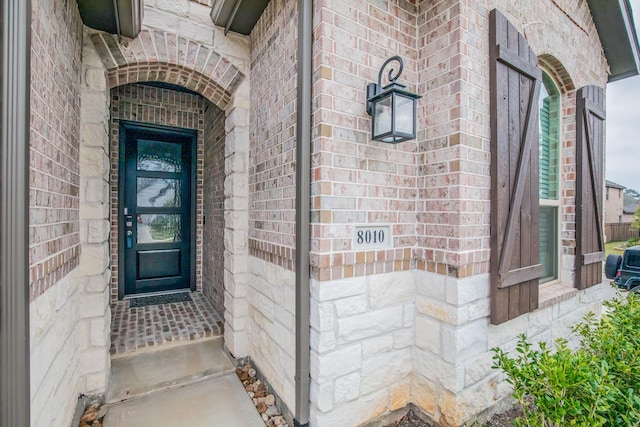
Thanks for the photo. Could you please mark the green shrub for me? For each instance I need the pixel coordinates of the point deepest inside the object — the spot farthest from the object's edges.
(633, 241)
(596, 385)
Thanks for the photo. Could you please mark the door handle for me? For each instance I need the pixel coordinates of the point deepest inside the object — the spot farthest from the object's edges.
(129, 239)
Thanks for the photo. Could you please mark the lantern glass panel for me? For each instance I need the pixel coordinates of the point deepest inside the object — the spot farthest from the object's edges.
(404, 114)
(382, 116)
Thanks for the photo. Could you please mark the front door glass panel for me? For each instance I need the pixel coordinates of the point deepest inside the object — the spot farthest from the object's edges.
(158, 192)
(154, 228)
(159, 156)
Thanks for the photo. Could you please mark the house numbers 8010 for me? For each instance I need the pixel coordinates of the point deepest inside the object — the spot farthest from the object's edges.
(372, 237)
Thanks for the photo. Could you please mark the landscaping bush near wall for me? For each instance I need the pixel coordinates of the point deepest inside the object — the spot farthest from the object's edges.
(596, 385)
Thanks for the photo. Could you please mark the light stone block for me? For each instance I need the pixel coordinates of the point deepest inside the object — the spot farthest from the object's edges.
(351, 305)
(192, 31)
(478, 368)
(385, 369)
(93, 304)
(96, 383)
(428, 334)
(176, 7)
(337, 363)
(430, 285)
(94, 135)
(409, 315)
(94, 163)
(403, 339)
(440, 310)
(263, 304)
(238, 307)
(369, 324)
(161, 20)
(322, 341)
(346, 388)
(323, 395)
(507, 331)
(424, 393)
(236, 323)
(326, 291)
(400, 395)
(94, 360)
(321, 316)
(97, 231)
(462, 342)
(354, 413)
(469, 289)
(236, 341)
(377, 345)
(99, 331)
(390, 289)
(436, 370)
(95, 79)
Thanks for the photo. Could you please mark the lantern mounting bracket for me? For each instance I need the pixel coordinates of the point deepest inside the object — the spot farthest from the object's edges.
(374, 89)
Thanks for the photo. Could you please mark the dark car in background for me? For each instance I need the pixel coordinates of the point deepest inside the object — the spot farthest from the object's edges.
(624, 270)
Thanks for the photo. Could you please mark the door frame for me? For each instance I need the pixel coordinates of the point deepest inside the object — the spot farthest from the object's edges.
(125, 128)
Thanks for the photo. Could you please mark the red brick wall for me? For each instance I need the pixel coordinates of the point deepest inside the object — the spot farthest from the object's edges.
(273, 118)
(54, 242)
(213, 186)
(356, 180)
(135, 102)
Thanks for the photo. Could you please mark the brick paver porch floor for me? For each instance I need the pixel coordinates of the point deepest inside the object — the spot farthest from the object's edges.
(138, 328)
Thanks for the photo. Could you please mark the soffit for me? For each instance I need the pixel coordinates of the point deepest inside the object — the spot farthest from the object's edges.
(614, 22)
(239, 16)
(121, 17)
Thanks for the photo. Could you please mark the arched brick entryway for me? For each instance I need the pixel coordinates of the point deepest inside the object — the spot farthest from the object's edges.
(159, 56)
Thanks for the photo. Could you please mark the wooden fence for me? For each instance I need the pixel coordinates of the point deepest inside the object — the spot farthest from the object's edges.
(616, 232)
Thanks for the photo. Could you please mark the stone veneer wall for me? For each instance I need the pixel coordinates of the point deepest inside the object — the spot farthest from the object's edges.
(149, 104)
(213, 188)
(54, 229)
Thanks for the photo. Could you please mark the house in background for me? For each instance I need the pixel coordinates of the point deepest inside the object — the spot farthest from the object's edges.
(224, 149)
(629, 210)
(613, 202)
(619, 213)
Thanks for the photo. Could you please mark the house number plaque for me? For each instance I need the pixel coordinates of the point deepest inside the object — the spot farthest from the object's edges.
(372, 237)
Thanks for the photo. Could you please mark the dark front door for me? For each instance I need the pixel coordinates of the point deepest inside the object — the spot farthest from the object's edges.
(156, 212)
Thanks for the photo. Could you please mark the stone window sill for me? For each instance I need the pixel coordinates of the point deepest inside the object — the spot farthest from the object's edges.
(555, 293)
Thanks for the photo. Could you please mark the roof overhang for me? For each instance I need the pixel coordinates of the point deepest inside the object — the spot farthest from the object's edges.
(239, 16)
(121, 17)
(614, 22)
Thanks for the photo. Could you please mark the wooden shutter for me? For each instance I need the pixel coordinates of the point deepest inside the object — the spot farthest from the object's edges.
(515, 88)
(589, 184)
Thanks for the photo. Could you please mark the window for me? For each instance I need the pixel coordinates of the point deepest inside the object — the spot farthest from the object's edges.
(549, 105)
(607, 196)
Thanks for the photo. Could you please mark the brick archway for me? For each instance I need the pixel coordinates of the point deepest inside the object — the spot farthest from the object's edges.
(160, 56)
(164, 57)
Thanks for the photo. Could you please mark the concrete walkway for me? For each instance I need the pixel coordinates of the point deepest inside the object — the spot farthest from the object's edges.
(188, 385)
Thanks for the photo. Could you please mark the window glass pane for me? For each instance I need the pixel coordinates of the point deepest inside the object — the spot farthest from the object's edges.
(549, 105)
(548, 243)
(633, 259)
(159, 156)
(382, 121)
(158, 192)
(404, 114)
(154, 228)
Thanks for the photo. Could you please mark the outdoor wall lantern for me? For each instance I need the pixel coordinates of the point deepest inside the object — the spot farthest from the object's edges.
(392, 109)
